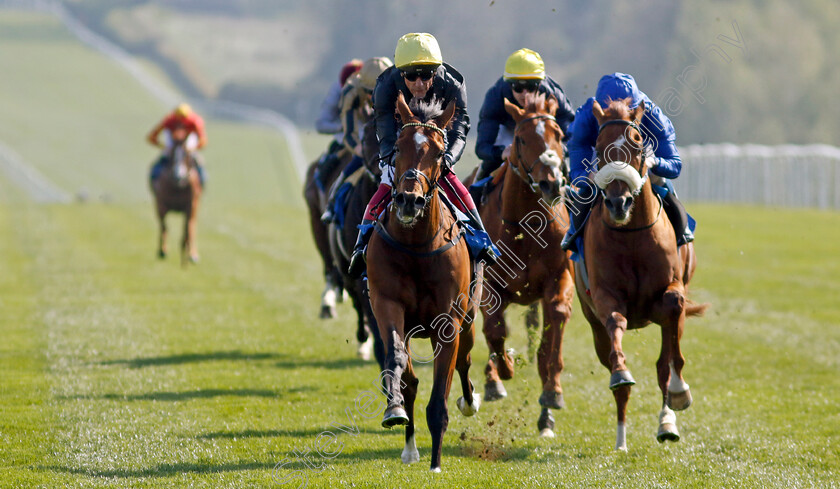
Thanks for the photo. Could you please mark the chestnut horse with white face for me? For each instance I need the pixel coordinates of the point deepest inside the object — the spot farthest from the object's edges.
(533, 269)
(636, 274)
(178, 189)
(419, 271)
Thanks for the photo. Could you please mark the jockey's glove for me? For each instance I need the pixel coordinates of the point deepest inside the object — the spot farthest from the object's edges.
(650, 159)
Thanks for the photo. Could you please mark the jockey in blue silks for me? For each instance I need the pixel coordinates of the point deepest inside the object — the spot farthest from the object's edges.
(660, 142)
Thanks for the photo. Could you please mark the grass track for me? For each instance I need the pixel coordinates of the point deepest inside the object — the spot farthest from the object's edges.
(120, 371)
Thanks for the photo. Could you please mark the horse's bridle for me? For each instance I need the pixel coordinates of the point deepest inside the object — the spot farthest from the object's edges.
(641, 148)
(414, 173)
(525, 173)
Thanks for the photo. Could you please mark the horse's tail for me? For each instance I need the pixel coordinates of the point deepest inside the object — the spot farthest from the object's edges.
(694, 309)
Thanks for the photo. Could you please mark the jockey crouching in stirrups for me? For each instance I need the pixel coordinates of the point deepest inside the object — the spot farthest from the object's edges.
(420, 73)
(662, 158)
(182, 117)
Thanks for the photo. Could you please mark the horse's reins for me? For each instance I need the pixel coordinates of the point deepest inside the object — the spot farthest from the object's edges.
(414, 174)
(534, 186)
(641, 149)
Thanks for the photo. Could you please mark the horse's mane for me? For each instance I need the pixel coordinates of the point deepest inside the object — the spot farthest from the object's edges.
(426, 111)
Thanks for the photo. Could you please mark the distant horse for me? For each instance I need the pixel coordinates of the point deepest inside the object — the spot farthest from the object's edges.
(316, 204)
(634, 273)
(419, 275)
(342, 241)
(178, 189)
(532, 270)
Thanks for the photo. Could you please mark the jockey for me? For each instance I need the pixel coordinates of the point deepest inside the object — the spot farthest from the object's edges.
(356, 110)
(663, 159)
(329, 122)
(419, 72)
(182, 117)
(523, 78)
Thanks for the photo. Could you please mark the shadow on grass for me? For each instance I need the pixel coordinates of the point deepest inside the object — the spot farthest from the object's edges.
(334, 364)
(185, 358)
(299, 433)
(187, 395)
(165, 470)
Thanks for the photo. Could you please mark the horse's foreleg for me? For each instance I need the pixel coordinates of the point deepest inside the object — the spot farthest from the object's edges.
(557, 310)
(499, 364)
(391, 316)
(675, 391)
(616, 325)
(161, 213)
(410, 453)
(470, 401)
(437, 414)
(191, 233)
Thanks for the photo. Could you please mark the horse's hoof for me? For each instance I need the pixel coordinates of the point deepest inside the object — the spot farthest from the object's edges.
(546, 433)
(327, 312)
(667, 431)
(546, 421)
(469, 409)
(494, 391)
(394, 416)
(552, 400)
(161, 254)
(621, 378)
(194, 259)
(435, 470)
(679, 400)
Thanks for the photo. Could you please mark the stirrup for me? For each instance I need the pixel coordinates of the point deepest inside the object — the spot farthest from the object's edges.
(358, 263)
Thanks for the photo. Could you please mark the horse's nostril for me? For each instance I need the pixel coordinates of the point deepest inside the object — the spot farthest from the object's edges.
(608, 203)
(419, 202)
(400, 199)
(628, 203)
(545, 186)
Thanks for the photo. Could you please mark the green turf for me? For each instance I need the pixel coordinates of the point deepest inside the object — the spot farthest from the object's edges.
(117, 370)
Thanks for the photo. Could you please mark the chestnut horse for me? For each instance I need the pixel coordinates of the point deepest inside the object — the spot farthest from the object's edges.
(418, 271)
(178, 189)
(525, 219)
(316, 205)
(343, 239)
(636, 274)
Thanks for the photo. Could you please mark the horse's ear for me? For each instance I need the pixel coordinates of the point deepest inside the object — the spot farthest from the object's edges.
(514, 110)
(551, 105)
(402, 109)
(598, 112)
(443, 120)
(639, 112)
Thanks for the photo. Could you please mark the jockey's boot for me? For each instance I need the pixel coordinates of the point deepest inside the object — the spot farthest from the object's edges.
(489, 253)
(357, 259)
(329, 210)
(675, 211)
(326, 165)
(578, 203)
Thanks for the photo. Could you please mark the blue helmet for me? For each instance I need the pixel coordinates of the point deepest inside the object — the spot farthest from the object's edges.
(618, 86)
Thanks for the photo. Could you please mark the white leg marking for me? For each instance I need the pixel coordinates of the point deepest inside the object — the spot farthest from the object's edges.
(328, 298)
(667, 416)
(365, 349)
(621, 437)
(546, 433)
(469, 410)
(676, 384)
(435, 470)
(410, 453)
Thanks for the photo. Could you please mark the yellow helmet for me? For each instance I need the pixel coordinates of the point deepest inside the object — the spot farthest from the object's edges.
(417, 48)
(524, 64)
(371, 69)
(183, 110)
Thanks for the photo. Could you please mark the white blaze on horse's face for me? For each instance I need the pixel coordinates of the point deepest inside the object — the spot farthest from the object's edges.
(419, 140)
(541, 129)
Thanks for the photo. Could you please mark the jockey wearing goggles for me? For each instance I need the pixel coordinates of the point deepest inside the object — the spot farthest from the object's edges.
(662, 157)
(182, 118)
(420, 73)
(524, 77)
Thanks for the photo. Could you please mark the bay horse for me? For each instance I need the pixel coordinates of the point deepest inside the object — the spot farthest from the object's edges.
(419, 270)
(537, 270)
(178, 189)
(342, 241)
(634, 273)
(316, 203)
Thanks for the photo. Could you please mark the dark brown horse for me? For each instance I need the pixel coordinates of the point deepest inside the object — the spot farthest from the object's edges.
(178, 189)
(343, 239)
(527, 221)
(316, 202)
(419, 276)
(634, 272)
